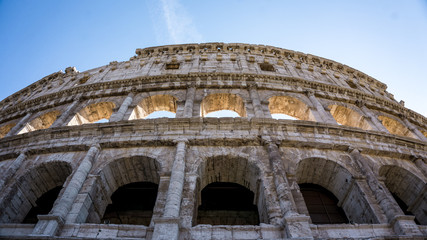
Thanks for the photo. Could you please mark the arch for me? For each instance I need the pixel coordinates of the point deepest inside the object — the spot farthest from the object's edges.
(152, 104)
(424, 133)
(42, 122)
(395, 127)
(407, 187)
(29, 187)
(349, 117)
(290, 106)
(322, 205)
(339, 181)
(118, 175)
(5, 129)
(222, 101)
(93, 113)
(226, 173)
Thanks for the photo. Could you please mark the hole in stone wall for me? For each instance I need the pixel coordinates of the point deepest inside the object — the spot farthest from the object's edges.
(225, 203)
(322, 205)
(165, 105)
(222, 113)
(283, 116)
(132, 203)
(42, 122)
(43, 205)
(395, 127)
(266, 67)
(172, 66)
(222, 101)
(93, 113)
(348, 117)
(289, 106)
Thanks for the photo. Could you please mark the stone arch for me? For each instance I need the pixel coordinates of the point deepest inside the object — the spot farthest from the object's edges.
(92, 113)
(152, 104)
(344, 115)
(290, 106)
(118, 173)
(30, 187)
(395, 127)
(409, 188)
(233, 170)
(424, 132)
(5, 129)
(222, 101)
(42, 122)
(335, 178)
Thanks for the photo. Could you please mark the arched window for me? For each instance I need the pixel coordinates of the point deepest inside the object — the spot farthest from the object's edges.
(285, 107)
(348, 117)
(407, 190)
(154, 107)
(223, 101)
(42, 122)
(93, 113)
(132, 203)
(322, 205)
(43, 205)
(395, 127)
(225, 203)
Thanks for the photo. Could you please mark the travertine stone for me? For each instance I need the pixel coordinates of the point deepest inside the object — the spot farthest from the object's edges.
(352, 138)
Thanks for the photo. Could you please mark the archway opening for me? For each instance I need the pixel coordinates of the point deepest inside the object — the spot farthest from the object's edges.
(156, 106)
(407, 190)
(395, 127)
(322, 205)
(132, 203)
(43, 205)
(225, 203)
(93, 113)
(349, 117)
(285, 107)
(42, 122)
(5, 129)
(223, 113)
(222, 101)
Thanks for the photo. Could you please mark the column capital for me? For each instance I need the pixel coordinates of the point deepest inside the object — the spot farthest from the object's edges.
(180, 139)
(360, 103)
(267, 140)
(95, 145)
(309, 92)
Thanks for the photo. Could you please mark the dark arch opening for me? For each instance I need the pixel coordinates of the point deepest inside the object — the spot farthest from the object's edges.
(43, 205)
(404, 207)
(225, 203)
(322, 205)
(132, 203)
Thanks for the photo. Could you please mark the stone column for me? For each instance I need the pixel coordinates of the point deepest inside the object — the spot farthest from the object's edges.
(19, 125)
(414, 129)
(419, 162)
(296, 226)
(401, 224)
(167, 227)
(255, 100)
(14, 166)
(118, 116)
(189, 201)
(48, 225)
(324, 115)
(189, 101)
(61, 121)
(373, 120)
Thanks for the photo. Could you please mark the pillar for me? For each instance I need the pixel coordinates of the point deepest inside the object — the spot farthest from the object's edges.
(49, 225)
(19, 125)
(256, 103)
(167, 227)
(14, 166)
(296, 226)
(401, 224)
(61, 121)
(325, 116)
(373, 120)
(189, 101)
(419, 162)
(414, 129)
(118, 116)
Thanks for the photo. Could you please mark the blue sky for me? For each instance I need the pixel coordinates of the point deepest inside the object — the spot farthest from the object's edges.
(385, 39)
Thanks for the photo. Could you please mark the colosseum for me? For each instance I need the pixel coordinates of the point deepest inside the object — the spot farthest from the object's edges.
(83, 155)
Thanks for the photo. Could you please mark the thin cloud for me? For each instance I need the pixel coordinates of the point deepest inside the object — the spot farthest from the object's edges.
(181, 28)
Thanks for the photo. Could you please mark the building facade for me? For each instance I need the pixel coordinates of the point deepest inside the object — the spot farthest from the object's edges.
(82, 158)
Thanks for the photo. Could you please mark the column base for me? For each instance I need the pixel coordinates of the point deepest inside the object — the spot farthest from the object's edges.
(298, 227)
(405, 225)
(48, 225)
(166, 228)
